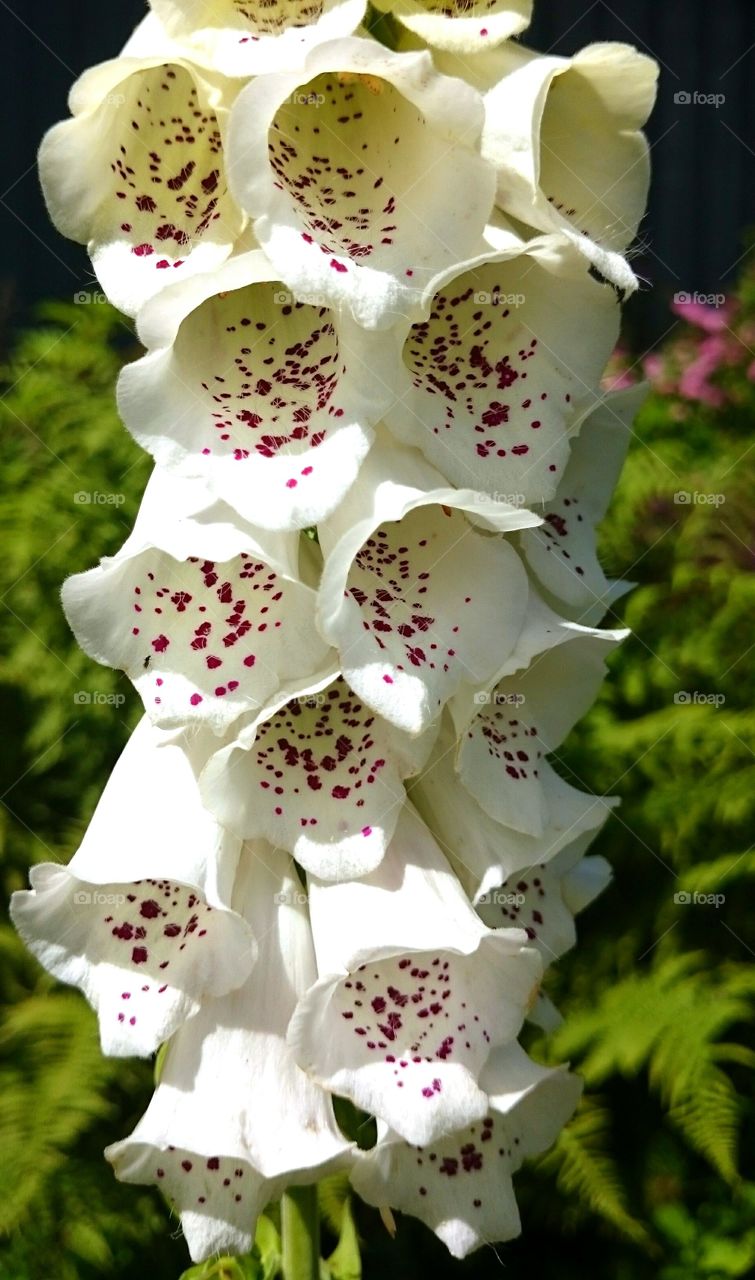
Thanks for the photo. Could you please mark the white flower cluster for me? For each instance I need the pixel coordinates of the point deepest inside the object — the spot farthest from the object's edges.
(377, 290)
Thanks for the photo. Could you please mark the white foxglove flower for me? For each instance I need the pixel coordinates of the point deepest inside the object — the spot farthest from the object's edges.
(565, 137)
(138, 174)
(320, 775)
(256, 37)
(482, 852)
(139, 919)
(344, 167)
(413, 993)
(465, 26)
(510, 349)
(412, 593)
(556, 671)
(562, 552)
(461, 1185)
(544, 899)
(206, 615)
(270, 400)
(234, 1121)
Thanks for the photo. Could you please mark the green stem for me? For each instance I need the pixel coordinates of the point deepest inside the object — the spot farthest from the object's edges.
(300, 1234)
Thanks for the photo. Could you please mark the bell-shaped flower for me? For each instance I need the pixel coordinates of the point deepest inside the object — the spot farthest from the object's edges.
(234, 1121)
(320, 775)
(547, 684)
(417, 600)
(344, 166)
(413, 992)
(461, 1185)
(465, 26)
(139, 918)
(562, 551)
(138, 174)
(270, 400)
(491, 379)
(544, 899)
(206, 615)
(565, 137)
(482, 852)
(255, 37)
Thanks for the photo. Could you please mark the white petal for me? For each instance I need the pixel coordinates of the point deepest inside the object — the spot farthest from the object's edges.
(138, 919)
(320, 775)
(561, 552)
(583, 884)
(412, 994)
(256, 37)
(461, 1186)
(344, 166)
(150, 820)
(564, 135)
(234, 1121)
(203, 641)
(144, 954)
(482, 851)
(270, 400)
(544, 899)
(502, 748)
(462, 25)
(513, 344)
(138, 174)
(411, 593)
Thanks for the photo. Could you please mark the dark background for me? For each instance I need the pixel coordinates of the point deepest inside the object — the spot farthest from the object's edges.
(692, 237)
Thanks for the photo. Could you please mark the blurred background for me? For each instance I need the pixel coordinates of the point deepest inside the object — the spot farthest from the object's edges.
(654, 1179)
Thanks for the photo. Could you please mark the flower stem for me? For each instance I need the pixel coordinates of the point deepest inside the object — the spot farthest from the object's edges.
(300, 1233)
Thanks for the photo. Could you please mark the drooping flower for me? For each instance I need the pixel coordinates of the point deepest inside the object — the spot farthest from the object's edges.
(460, 1186)
(413, 993)
(491, 798)
(482, 852)
(138, 174)
(465, 26)
(544, 899)
(206, 615)
(255, 37)
(412, 592)
(491, 380)
(271, 400)
(562, 552)
(140, 918)
(545, 686)
(320, 775)
(344, 167)
(564, 135)
(234, 1121)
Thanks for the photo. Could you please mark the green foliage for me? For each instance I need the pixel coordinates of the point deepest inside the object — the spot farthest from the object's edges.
(658, 997)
